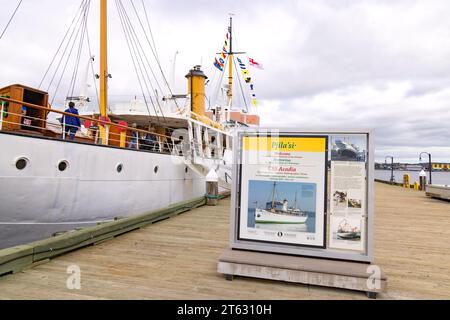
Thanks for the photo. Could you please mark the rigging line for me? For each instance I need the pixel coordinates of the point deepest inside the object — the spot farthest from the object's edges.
(208, 90)
(138, 58)
(80, 49)
(92, 68)
(132, 49)
(66, 64)
(150, 29)
(154, 53)
(139, 52)
(10, 19)
(214, 72)
(65, 67)
(67, 46)
(219, 83)
(153, 50)
(212, 85)
(157, 61)
(240, 84)
(61, 44)
(235, 38)
(136, 39)
(78, 57)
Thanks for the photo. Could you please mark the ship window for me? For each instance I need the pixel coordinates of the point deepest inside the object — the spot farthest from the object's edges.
(63, 165)
(119, 168)
(156, 169)
(21, 163)
(186, 170)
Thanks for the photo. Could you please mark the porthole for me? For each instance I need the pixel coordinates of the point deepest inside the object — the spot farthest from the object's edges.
(186, 170)
(119, 168)
(156, 169)
(21, 163)
(63, 165)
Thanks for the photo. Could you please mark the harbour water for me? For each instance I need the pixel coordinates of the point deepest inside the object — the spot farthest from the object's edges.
(442, 178)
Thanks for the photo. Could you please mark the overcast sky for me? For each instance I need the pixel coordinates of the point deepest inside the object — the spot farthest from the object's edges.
(382, 65)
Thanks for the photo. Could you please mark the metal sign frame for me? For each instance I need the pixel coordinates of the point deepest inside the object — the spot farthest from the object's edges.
(326, 252)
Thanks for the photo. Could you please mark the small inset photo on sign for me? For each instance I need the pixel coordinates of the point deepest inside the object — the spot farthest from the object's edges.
(340, 199)
(347, 229)
(354, 203)
(348, 148)
(287, 206)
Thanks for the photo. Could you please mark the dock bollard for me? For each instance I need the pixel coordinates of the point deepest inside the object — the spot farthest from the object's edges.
(212, 188)
(423, 180)
(406, 181)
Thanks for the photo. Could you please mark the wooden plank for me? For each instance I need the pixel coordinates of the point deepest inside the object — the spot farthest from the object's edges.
(177, 258)
(48, 248)
(15, 259)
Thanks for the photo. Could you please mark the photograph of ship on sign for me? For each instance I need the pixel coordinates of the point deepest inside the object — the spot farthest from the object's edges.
(348, 148)
(348, 229)
(354, 203)
(286, 206)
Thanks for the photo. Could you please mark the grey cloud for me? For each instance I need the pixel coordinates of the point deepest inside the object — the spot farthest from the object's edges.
(381, 65)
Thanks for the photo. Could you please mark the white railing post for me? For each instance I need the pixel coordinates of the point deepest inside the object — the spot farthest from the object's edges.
(97, 132)
(1, 115)
(106, 134)
(64, 129)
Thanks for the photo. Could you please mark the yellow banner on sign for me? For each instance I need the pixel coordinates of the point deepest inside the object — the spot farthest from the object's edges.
(292, 144)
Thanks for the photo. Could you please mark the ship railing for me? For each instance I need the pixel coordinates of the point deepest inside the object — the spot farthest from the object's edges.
(58, 129)
(61, 129)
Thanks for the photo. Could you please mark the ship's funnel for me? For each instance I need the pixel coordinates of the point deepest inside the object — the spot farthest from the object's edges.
(196, 89)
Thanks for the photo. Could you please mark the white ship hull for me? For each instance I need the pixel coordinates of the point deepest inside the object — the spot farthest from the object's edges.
(264, 216)
(40, 200)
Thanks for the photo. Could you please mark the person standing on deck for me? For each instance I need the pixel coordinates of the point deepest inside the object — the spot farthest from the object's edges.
(71, 124)
(134, 138)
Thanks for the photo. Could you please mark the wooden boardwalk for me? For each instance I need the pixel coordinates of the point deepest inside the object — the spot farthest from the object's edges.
(177, 259)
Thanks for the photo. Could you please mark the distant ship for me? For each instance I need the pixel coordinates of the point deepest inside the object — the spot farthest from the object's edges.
(277, 212)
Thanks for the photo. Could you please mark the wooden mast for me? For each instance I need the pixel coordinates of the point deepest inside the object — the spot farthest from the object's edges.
(230, 65)
(273, 195)
(103, 66)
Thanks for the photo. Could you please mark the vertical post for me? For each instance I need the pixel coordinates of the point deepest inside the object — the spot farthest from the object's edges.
(103, 66)
(392, 169)
(273, 195)
(96, 136)
(123, 139)
(392, 179)
(64, 129)
(230, 64)
(212, 188)
(431, 168)
(1, 115)
(106, 140)
(406, 181)
(422, 180)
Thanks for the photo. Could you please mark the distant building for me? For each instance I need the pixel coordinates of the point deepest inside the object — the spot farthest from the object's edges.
(413, 166)
(440, 166)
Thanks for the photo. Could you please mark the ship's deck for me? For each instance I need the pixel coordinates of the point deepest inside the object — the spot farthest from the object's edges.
(177, 259)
